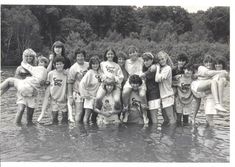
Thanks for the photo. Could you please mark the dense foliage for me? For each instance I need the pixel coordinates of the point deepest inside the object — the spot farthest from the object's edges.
(95, 28)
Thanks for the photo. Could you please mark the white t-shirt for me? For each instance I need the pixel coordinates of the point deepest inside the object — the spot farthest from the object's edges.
(75, 73)
(110, 69)
(135, 67)
(58, 85)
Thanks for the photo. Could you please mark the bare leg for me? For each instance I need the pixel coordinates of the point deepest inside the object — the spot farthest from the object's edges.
(64, 117)
(126, 96)
(70, 112)
(99, 96)
(213, 85)
(165, 118)
(170, 114)
(195, 109)
(20, 112)
(142, 94)
(55, 117)
(154, 115)
(5, 85)
(221, 85)
(117, 98)
(44, 104)
(87, 115)
(78, 111)
(209, 119)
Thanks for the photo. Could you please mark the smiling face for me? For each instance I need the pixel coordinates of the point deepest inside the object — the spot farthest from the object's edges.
(148, 62)
(218, 66)
(80, 58)
(121, 61)
(162, 60)
(135, 86)
(59, 66)
(208, 65)
(95, 66)
(181, 64)
(29, 58)
(110, 55)
(109, 88)
(133, 55)
(188, 73)
(58, 50)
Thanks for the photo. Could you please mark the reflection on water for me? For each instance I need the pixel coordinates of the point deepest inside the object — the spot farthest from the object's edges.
(78, 142)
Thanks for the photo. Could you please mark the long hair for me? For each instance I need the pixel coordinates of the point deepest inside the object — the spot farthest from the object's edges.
(115, 59)
(30, 51)
(169, 62)
(208, 58)
(58, 44)
(93, 60)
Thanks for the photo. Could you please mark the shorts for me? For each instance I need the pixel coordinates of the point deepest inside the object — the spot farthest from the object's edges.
(25, 89)
(30, 102)
(154, 104)
(209, 105)
(181, 108)
(58, 106)
(168, 101)
(89, 103)
(194, 87)
(77, 97)
(142, 87)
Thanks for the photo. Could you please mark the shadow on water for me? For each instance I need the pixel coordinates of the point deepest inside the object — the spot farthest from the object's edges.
(105, 143)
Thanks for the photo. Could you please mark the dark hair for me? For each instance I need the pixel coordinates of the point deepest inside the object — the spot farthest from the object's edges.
(148, 56)
(93, 60)
(132, 48)
(121, 54)
(78, 51)
(59, 59)
(109, 82)
(189, 67)
(58, 44)
(115, 56)
(208, 58)
(182, 57)
(220, 60)
(135, 79)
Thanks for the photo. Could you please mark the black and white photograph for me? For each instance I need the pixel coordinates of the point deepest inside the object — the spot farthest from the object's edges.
(144, 83)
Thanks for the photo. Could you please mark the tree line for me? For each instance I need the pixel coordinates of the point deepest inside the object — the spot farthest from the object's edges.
(94, 28)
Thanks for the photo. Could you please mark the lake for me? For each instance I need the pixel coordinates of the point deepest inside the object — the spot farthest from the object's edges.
(111, 143)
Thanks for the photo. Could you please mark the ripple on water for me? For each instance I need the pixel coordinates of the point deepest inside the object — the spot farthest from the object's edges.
(110, 143)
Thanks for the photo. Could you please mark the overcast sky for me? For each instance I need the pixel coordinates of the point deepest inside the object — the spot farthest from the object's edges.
(189, 5)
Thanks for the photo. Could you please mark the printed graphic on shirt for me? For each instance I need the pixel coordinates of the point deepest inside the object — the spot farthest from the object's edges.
(135, 104)
(107, 106)
(110, 69)
(57, 82)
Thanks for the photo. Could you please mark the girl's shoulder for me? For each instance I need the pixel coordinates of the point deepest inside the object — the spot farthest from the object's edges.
(166, 67)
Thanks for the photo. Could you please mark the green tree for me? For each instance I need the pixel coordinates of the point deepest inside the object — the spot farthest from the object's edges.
(217, 20)
(20, 30)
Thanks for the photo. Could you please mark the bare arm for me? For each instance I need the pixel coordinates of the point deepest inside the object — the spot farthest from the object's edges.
(49, 67)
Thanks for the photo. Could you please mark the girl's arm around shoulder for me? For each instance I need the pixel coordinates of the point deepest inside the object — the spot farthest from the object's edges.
(165, 73)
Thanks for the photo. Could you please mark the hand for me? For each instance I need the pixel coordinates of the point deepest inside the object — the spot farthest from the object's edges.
(51, 57)
(153, 68)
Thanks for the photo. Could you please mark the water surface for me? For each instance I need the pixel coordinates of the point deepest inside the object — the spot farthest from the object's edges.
(110, 143)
